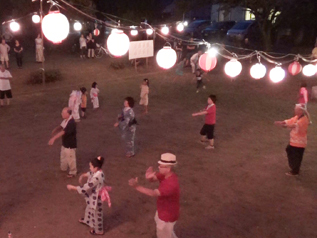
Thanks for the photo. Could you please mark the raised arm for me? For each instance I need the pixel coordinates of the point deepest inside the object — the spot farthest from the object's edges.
(199, 113)
(150, 192)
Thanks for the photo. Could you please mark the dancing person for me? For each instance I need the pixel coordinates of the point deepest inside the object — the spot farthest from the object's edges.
(5, 86)
(91, 192)
(83, 104)
(303, 95)
(144, 95)
(127, 125)
(94, 91)
(167, 194)
(298, 138)
(207, 131)
(39, 49)
(67, 130)
(4, 53)
(194, 61)
(82, 46)
(199, 79)
(18, 49)
(74, 103)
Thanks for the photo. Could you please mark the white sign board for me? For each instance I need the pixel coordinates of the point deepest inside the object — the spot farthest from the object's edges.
(141, 49)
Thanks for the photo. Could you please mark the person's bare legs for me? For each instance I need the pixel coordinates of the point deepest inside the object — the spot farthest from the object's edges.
(7, 63)
(1, 102)
(8, 101)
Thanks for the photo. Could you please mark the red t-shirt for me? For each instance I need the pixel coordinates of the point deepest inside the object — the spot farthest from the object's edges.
(210, 118)
(168, 202)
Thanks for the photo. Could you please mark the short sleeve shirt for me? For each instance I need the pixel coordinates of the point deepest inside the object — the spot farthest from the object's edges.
(69, 139)
(298, 134)
(210, 118)
(5, 83)
(168, 201)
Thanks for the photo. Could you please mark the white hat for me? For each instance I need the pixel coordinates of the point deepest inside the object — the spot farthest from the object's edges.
(167, 159)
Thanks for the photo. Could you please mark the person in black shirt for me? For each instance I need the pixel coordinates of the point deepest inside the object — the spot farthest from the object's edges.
(67, 130)
(18, 49)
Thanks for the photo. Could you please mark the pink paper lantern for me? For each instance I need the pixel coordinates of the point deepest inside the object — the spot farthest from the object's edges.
(96, 32)
(295, 68)
(207, 62)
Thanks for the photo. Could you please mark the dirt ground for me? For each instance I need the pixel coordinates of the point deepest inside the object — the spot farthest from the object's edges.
(238, 190)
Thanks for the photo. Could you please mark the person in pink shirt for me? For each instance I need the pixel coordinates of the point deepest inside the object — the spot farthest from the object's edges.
(209, 112)
(303, 94)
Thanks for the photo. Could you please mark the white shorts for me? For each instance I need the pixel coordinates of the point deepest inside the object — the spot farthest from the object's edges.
(4, 58)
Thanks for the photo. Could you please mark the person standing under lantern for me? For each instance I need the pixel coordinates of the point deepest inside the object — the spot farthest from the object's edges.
(194, 61)
(303, 95)
(145, 94)
(91, 191)
(82, 46)
(39, 49)
(94, 91)
(4, 52)
(18, 49)
(127, 124)
(298, 138)
(5, 86)
(207, 132)
(91, 45)
(167, 195)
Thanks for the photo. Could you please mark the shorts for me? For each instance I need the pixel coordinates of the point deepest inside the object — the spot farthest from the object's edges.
(6, 93)
(208, 130)
(4, 58)
(83, 109)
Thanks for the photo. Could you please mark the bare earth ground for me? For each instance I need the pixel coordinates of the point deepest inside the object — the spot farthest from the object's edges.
(239, 190)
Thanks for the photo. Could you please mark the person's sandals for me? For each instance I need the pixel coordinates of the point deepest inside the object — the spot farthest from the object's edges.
(71, 175)
(92, 232)
(81, 220)
(209, 147)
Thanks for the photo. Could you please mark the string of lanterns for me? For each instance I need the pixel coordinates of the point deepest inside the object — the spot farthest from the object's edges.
(55, 27)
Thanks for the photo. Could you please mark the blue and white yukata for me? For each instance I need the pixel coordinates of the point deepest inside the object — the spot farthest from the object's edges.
(90, 190)
(127, 124)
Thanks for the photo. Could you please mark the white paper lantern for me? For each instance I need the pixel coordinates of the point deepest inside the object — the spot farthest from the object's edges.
(277, 74)
(258, 71)
(309, 70)
(55, 27)
(14, 26)
(118, 43)
(233, 68)
(166, 57)
(36, 18)
(212, 52)
(77, 26)
(185, 23)
(165, 30)
(134, 32)
(180, 27)
(149, 31)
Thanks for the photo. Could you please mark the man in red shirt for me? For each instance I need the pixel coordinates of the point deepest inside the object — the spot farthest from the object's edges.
(167, 195)
(210, 120)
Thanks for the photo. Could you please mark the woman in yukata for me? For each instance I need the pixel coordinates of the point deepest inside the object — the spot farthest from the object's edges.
(91, 191)
(127, 124)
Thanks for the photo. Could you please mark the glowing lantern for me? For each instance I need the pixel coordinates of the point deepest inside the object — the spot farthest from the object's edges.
(185, 23)
(134, 32)
(180, 27)
(233, 68)
(77, 26)
(149, 31)
(55, 27)
(212, 51)
(309, 70)
(165, 30)
(295, 68)
(118, 43)
(207, 62)
(36, 18)
(258, 71)
(277, 74)
(96, 32)
(14, 26)
(166, 57)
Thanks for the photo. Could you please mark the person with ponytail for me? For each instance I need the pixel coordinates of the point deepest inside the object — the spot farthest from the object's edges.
(91, 191)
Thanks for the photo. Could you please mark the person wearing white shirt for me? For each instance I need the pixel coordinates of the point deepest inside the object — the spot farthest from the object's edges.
(82, 46)
(194, 61)
(4, 50)
(5, 87)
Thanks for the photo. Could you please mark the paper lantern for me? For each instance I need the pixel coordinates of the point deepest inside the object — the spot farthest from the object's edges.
(207, 62)
(233, 68)
(295, 68)
(149, 31)
(165, 30)
(212, 51)
(118, 43)
(309, 70)
(55, 27)
(185, 23)
(258, 71)
(77, 26)
(96, 32)
(166, 57)
(36, 18)
(180, 27)
(14, 26)
(277, 74)
(134, 32)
